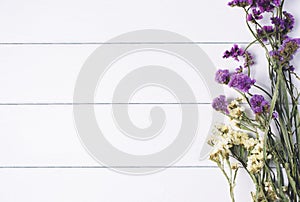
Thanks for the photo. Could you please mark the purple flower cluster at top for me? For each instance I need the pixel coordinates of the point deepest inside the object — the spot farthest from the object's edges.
(262, 5)
(220, 104)
(267, 5)
(259, 104)
(241, 82)
(240, 3)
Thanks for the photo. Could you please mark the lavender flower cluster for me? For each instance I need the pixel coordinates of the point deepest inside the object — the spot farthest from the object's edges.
(239, 81)
(261, 5)
(284, 53)
(255, 12)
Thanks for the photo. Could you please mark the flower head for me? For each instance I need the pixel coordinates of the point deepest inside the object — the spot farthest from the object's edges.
(255, 15)
(235, 110)
(241, 82)
(222, 76)
(275, 115)
(284, 25)
(248, 59)
(289, 21)
(255, 161)
(265, 32)
(259, 104)
(240, 3)
(289, 48)
(235, 52)
(286, 51)
(267, 5)
(220, 104)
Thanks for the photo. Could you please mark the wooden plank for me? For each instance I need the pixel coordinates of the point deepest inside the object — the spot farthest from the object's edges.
(47, 136)
(47, 74)
(77, 185)
(98, 21)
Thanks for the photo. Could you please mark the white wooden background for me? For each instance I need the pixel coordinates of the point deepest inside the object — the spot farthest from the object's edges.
(43, 45)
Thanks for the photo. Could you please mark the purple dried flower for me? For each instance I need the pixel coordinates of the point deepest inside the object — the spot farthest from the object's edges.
(220, 104)
(267, 5)
(250, 17)
(291, 68)
(264, 32)
(289, 21)
(287, 50)
(241, 82)
(284, 25)
(256, 14)
(239, 69)
(279, 23)
(275, 115)
(222, 76)
(276, 55)
(277, 2)
(235, 52)
(259, 104)
(240, 3)
(248, 59)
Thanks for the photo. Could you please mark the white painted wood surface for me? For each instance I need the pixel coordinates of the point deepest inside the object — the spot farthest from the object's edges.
(43, 45)
(79, 21)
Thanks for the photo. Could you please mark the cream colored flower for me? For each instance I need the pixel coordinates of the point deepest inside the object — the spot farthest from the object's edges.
(234, 166)
(255, 160)
(250, 143)
(235, 111)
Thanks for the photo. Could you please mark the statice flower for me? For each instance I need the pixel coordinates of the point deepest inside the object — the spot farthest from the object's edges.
(222, 76)
(289, 21)
(220, 104)
(248, 59)
(275, 115)
(241, 82)
(235, 52)
(259, 104)
(284, 25)
(255, 161)
(277, 2)
(240, 3)
(255, 15)
(287, 50)
(267, 5)
(236, 111)
(291, 68)
(265, 32)
(279, 23)
(276, 55)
